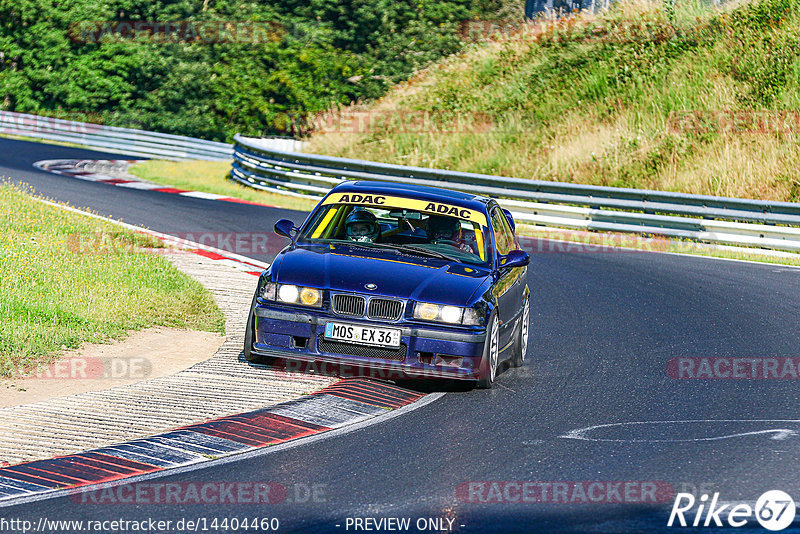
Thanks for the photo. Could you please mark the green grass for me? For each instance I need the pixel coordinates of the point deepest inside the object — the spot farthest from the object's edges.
(212, 177)
(593, 99)
(67, 279)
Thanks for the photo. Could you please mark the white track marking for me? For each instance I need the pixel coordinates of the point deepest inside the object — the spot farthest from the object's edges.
(140, 185)
(778, 433)
(206, 196)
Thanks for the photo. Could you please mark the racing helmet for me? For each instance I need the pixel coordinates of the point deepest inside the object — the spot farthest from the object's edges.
(443, 228)
(362, 226)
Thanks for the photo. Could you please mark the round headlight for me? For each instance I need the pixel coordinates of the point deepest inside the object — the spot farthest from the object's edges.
(309, 297)
(428, 312)
(451, 314)
(288, 293)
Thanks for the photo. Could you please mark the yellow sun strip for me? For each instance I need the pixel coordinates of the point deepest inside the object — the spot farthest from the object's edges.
(383, 201)
(479, 242)
(326, 233)
(324, 224)
(333, 228)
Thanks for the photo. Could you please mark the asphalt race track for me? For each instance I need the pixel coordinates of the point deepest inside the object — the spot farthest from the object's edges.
(157, 211)
(604, 327)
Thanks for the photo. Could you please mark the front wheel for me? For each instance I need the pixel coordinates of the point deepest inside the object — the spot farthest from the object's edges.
(248, 341)
(521, 346)
(249, 337)
(491, 352)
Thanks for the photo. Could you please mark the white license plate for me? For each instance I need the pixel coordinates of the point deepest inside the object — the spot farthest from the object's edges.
(354, 333)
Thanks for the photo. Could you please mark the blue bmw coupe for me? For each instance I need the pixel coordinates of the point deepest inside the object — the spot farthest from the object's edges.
(396, 281)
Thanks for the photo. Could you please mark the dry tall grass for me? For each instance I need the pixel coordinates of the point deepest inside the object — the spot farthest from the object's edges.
(596, 99)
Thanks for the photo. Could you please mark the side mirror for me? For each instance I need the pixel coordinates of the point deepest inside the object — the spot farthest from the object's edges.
(511, 222)
(515, 258)
(285, 227)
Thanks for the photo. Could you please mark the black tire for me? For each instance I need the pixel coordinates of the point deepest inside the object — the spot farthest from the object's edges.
(521, 343)
(491, 354)
(249, 355)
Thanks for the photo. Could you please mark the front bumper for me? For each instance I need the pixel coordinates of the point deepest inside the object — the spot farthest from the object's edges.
(428, 352)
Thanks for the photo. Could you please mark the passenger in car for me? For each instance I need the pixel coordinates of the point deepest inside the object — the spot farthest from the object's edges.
(447, 231)
(362, 226)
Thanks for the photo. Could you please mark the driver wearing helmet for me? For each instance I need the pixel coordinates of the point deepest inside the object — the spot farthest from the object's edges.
(362, 226)
(446, 231)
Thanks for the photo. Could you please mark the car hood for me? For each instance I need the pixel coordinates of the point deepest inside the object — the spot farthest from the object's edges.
(351, 268)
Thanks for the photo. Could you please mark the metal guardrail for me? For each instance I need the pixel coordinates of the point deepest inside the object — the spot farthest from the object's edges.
(125, 140)
(732, 221)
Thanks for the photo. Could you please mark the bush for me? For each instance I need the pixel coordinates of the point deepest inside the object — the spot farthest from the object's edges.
(316, 55)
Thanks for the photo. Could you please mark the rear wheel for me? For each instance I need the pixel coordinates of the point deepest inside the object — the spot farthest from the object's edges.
(491, 351)
(521, 346)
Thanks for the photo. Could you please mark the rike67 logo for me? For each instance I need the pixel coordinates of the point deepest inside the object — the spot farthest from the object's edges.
(774, 510)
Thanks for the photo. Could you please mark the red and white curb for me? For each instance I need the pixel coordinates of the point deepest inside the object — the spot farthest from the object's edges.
(115, 172)
(238, 262)
(342, 404)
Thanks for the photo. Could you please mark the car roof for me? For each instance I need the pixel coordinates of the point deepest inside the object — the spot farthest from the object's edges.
(420, 192)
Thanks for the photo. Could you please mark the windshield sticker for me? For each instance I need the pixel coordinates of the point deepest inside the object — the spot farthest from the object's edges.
(424, 206)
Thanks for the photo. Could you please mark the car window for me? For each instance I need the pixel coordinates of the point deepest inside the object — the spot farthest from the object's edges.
(460, 234)
(513, 244)
(504, 239)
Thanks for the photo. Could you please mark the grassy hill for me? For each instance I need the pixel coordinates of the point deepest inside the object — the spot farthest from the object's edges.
(679, 98)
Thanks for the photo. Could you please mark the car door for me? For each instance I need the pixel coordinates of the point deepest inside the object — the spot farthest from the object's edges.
(507, 288)
(521, 273)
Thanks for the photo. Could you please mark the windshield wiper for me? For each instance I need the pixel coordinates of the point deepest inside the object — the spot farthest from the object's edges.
(405, 248)
(426, 252)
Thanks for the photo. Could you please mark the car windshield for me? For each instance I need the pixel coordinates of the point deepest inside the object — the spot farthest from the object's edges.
(414, 226)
